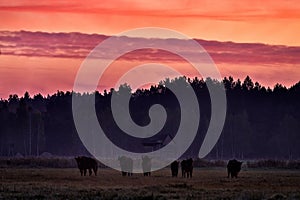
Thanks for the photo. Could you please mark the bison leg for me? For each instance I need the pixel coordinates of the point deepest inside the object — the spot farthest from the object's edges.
(95, 170)
(84, 172)
(235, 174)
(90, 171)
(176, 172)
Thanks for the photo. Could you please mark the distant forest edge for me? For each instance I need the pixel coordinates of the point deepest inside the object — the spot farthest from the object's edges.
(261, 123)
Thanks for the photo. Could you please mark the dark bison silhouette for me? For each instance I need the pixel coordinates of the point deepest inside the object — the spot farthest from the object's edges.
(126, 165)
(85, 163)
(233, 168)
(146, 165)
(187, 168)
(174, 168)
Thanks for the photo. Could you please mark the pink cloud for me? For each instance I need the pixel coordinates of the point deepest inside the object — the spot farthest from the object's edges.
(46, 62)
(78, 45)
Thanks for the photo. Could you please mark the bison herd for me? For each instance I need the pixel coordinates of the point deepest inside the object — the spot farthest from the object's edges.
(186, 168)
(85, 163)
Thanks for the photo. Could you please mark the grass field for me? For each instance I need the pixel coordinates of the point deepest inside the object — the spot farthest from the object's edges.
(109, 184)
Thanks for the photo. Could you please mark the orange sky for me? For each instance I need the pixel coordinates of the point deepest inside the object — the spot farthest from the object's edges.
(249, 21)
(271, 22)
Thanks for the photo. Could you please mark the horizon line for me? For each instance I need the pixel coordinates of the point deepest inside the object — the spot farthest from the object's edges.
(133, 91)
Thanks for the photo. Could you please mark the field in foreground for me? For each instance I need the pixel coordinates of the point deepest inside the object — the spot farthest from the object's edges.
(109, 184)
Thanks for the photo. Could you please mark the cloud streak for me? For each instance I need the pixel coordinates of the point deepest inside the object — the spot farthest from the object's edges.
(78, 45)
(46, 62)
(231, 10)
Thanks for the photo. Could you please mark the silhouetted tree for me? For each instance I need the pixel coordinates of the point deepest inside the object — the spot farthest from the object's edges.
(261, 122)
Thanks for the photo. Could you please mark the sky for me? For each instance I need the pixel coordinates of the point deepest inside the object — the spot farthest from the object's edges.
(43, 43)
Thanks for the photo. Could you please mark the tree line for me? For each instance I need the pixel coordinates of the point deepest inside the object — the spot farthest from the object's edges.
(261, 122)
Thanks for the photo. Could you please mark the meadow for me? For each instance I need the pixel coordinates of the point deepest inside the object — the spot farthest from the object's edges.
(207, 183)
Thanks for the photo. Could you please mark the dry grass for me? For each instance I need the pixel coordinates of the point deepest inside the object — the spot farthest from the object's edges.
(109, 184)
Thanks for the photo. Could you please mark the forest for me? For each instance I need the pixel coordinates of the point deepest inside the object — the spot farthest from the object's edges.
(261, 122)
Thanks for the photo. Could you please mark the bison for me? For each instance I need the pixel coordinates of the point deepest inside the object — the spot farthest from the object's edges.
(126, 165)
(233, 168)
(85, 163)
(187, 168)
(174, 168)
(146, 165)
